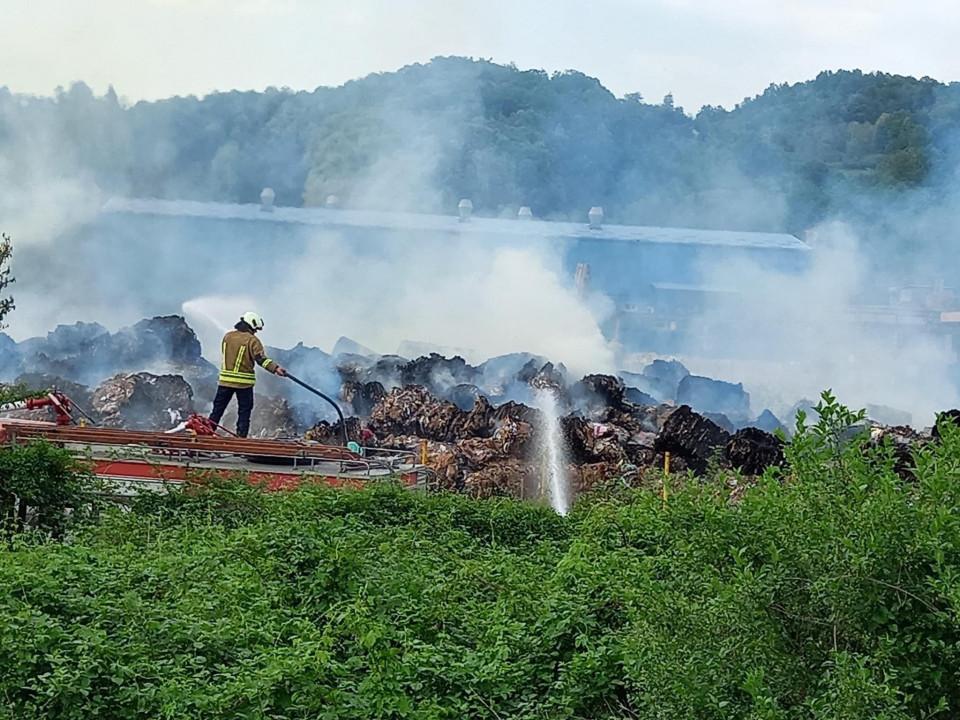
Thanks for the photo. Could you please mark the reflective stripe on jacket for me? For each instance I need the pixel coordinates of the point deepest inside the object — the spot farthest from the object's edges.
(240, 352)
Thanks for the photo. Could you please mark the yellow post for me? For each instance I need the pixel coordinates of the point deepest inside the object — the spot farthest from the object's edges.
(423, 452)
(666, 474)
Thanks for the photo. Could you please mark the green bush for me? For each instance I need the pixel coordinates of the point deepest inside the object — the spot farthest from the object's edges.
(42, 489)
(829, 590)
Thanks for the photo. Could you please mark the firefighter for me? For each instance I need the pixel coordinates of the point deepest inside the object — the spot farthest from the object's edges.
(241, 350)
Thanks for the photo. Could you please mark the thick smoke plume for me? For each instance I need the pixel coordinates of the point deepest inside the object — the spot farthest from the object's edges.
(791, 335)
(480, 302)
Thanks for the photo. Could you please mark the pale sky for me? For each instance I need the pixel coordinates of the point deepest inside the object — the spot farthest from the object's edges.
(704, 52)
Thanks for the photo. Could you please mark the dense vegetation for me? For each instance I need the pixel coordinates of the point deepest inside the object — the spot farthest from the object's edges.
(846, 143)
(828, 590)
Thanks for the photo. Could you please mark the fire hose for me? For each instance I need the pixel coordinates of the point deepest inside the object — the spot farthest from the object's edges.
(343, 422)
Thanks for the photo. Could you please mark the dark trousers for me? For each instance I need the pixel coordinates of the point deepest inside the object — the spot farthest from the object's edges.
(244, 406)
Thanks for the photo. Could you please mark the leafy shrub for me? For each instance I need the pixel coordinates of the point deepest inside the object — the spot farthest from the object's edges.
(828, 590)
(42, 488)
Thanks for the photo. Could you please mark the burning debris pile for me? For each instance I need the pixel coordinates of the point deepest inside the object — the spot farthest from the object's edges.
(481, 450)
(481, 428)
(495, 449)
(88, 354)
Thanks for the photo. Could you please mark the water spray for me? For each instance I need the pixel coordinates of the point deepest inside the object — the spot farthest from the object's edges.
(554, 451)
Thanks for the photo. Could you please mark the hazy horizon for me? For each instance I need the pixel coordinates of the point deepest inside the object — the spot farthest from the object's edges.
(691, 49)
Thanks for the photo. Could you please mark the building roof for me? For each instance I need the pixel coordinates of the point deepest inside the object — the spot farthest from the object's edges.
(691, 288)
(418, 222)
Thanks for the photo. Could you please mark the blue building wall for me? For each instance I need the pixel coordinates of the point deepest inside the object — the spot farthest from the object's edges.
(166, 258)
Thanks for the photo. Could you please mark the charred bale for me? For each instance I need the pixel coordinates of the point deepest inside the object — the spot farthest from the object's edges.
(578, 439)
(143, 401)
(438, 373)
(414, 411)
(80, 352)
(87, 352)
(640, 449)
(691, 437)
(721, 420)
(633, 433)
(498, 375)
(387, 370)
(768, 422)
(513, 438)
(440, 421)
(707, 395)
(659, 380)
(480, 452)
(327, 433)
(544, 377)
(362, 397)
(348, 346)
(464, 396)
(591, 442)
(651, 418)
(678, 463)
(638, 397)
(480, 421)
(10, 359)
(516, 411)
(445, 459)
(751, 451)
(947, 416)
(398, 412)
(353, 368)
(670, 372)
(165, 338)
(68, 340)
(595, 393)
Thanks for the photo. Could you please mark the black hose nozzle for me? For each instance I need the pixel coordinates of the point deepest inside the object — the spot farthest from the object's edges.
(343, 422)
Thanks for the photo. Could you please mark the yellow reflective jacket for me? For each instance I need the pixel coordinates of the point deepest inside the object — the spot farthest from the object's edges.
(241, 351)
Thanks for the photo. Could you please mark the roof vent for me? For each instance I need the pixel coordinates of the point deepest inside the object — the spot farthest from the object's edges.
(266, 199)
(332, 201)
(525, 213)
(595, 216)
(465, 207)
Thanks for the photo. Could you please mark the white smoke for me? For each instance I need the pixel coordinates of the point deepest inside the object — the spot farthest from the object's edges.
(795, 335)
(487, 300)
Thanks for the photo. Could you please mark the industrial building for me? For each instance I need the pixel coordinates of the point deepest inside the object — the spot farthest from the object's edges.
(654, 276)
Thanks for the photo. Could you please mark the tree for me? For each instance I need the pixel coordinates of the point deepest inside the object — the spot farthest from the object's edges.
(6, 251)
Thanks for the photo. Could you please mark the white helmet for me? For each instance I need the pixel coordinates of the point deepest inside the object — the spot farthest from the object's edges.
(253, 320)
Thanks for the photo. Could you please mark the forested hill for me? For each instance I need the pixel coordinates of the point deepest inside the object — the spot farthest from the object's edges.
(845, 143)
